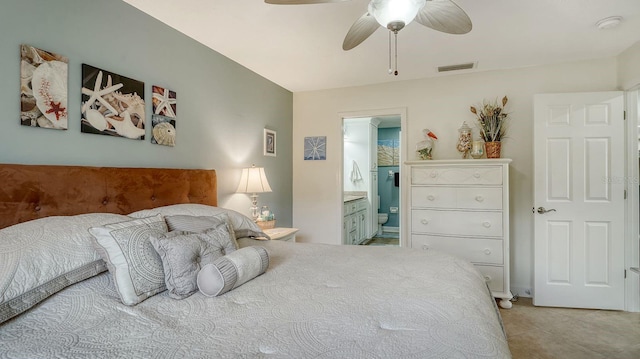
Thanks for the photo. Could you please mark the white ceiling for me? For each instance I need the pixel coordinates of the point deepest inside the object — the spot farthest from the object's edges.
(299, 47)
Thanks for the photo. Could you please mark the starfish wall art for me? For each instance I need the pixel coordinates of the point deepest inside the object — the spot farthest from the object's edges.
(112, 104)
(43, 88)
(163, 119)
(315, 148)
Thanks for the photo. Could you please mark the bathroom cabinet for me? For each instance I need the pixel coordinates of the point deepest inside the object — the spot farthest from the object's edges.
(462, 207)
(355, 221)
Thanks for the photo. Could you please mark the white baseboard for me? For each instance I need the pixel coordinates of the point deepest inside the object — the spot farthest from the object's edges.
(390, 229)
(633, 288)
(522, 292)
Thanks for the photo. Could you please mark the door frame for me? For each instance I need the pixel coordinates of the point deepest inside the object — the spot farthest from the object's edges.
(632, 228)
(402, 111)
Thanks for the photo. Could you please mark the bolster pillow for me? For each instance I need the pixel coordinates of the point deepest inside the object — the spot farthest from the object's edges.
(232, 270)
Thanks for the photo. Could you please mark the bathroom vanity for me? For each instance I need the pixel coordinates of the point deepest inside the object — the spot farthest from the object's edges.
(356, 217)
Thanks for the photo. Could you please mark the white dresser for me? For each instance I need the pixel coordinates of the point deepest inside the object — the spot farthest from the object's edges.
(462, 207)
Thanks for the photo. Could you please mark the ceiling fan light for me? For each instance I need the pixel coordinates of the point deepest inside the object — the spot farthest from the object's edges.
(390, 11)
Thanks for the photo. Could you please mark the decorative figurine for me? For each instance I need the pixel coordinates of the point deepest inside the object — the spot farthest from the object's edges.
(425, 147)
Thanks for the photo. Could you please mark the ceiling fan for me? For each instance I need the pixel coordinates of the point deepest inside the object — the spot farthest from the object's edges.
(440, 15)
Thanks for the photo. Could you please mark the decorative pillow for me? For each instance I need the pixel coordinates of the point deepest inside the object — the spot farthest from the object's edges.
(184, 253)
(242, 225)
(198, 224)
(233, 270)
(43, 256)
(131, 259)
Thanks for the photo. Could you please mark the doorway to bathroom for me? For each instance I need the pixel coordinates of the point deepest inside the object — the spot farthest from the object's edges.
(372, 165)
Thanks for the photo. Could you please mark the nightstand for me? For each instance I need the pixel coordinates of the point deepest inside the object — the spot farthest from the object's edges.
(282, 234)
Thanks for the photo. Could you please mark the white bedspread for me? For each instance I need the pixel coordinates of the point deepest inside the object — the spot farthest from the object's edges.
(314, 301)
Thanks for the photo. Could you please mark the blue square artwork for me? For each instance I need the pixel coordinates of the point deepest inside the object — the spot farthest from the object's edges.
(315, 148)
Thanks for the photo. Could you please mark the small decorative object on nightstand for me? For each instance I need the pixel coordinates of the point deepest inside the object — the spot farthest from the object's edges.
(282, 234)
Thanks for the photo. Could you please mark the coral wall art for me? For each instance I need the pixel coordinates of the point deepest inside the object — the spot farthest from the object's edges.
(43, 88)
(163, 120)
(112, 104)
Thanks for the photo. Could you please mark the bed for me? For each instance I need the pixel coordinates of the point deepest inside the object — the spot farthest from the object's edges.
(307, 301)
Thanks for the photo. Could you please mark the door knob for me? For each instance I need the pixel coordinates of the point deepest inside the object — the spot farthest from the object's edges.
(542, 210)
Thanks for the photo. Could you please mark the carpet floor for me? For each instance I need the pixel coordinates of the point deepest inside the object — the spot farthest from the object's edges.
(546, 333)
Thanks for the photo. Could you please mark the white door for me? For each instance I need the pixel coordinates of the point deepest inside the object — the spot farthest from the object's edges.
(579, 179)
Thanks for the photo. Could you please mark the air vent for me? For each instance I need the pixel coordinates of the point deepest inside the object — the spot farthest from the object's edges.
(466, 66)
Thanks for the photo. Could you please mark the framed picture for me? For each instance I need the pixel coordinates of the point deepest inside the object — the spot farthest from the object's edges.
(164, 104)
(43, 90)
(269, 142)
(315, 148)
(112, 104)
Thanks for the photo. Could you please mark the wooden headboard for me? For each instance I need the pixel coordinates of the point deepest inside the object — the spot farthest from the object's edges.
(34, 191)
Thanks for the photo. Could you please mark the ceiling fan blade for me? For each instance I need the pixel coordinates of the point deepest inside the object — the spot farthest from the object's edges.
(360, 31)
(300, 2)
(444, 16)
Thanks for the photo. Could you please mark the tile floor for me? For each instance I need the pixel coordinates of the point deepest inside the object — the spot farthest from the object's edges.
(383, 241)
(542, 332)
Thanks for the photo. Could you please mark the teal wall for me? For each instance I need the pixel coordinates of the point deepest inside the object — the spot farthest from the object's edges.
(222, 106)
(388, 192)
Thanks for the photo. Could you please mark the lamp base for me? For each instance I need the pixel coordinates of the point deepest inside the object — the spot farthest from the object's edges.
(254, 210)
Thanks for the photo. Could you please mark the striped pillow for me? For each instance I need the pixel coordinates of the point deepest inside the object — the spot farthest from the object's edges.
(233, 270)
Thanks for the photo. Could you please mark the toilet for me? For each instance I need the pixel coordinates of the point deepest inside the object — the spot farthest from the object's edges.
(382, 219)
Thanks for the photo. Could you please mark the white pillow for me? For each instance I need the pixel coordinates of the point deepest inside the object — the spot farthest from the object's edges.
(43, 256)
(233, 270)
(134, 263)
(242, 225)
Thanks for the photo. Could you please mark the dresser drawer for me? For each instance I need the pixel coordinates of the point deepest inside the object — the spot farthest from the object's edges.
(489, 175)
(463, 223)
(452, 197)
(477, 250)
(435, 197)
(494, 277)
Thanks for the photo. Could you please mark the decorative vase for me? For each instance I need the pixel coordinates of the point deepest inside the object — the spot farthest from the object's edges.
(464, 139)
(493, 149)
(477, 149)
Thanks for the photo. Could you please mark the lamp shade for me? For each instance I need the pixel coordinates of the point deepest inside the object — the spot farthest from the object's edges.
(388, 11)
(253, 180)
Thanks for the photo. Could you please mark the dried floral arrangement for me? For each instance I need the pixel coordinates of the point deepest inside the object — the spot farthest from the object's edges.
(492, 120)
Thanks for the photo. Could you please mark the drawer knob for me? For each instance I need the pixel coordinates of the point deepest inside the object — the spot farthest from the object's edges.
(424, 221)
(434, 174)
(431, 197)
(425, 247)
(487, 251)
(486, 224)
(487, 278)
(479, 198)
(476, 175)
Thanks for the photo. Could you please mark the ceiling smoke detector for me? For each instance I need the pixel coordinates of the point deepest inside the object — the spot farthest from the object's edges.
(609, 22)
